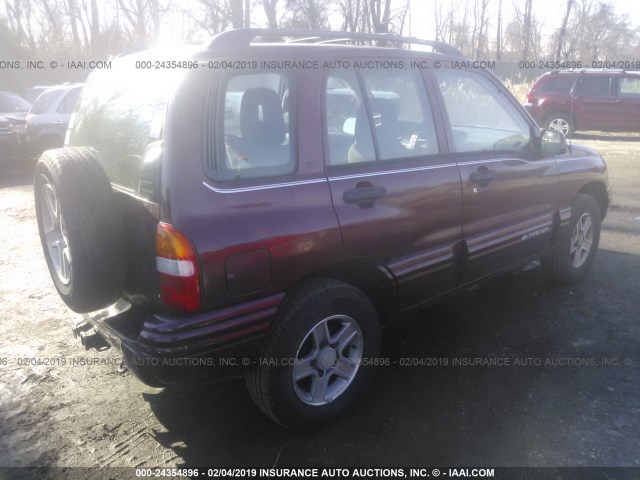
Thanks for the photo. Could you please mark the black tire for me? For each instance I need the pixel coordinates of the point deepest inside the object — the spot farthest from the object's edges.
(553, 121)
(91, 275)
(271, 383)
(559, 265)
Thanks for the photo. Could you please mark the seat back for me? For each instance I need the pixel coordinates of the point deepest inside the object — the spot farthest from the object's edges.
(261, 118)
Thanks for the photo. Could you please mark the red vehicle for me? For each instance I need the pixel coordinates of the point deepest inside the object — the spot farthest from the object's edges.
(568, 101)
(239, 218)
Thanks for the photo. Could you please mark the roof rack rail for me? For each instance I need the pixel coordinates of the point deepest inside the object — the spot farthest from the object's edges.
(243, 37)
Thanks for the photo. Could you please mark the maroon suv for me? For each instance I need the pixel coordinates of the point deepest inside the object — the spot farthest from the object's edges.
(571, 100)
(266, 208)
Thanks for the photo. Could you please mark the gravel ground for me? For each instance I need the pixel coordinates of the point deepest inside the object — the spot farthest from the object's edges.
(580, 406)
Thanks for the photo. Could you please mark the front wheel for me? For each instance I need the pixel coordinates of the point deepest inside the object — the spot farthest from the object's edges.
(318, 359)
(576, 248)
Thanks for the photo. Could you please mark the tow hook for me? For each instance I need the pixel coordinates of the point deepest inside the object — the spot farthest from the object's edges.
(80, 327)
(89, 340)
(122, 368)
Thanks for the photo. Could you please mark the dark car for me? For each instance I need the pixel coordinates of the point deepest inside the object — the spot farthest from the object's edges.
(13, 112)
(10, 140)
(239, 218)
(568, 101)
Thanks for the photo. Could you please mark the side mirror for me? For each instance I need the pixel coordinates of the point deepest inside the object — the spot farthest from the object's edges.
(552, 143)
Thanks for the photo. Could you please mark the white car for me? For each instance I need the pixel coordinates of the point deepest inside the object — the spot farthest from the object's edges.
(49, 117)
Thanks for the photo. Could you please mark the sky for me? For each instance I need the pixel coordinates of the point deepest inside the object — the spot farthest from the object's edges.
(550, 12)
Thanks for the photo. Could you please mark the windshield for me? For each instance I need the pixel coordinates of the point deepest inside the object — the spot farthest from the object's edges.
(45, 101)
(13, 103)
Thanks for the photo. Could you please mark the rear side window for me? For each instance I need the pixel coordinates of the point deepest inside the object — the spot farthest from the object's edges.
(69, 101)
(391, 121)
(45, 101)
(593, 87)
(256, 114)
(561, 85)
(629, 87)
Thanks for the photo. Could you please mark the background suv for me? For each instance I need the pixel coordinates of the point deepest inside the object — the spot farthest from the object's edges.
(268, 221)
(570, 100)
(49, 117)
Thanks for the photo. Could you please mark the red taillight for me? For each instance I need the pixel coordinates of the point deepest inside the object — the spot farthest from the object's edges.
(177, 266)
(531, 99)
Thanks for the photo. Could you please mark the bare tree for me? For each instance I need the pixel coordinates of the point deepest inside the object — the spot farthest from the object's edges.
(499, 33)
(595, 31)
(380, 14)
(353, 14)
(19, 13)
(312, 14)
(562, 33)
(527, 28)
(270, 10)
(480, 27)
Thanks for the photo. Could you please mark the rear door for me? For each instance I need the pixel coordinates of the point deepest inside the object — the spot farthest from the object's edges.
(509, 192)
(397, 196)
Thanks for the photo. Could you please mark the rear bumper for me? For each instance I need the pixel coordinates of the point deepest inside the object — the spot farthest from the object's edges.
(163, 349)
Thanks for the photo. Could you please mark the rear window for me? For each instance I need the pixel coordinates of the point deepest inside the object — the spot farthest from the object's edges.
(120, 113)
(255, 112)
(561, 85)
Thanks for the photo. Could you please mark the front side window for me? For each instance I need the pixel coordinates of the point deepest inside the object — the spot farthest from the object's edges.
(256, 117)
(561, 85)
(593, 87)
(392, 120)
(481, 117)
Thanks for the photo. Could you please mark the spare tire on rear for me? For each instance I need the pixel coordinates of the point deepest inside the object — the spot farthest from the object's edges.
(80, 228)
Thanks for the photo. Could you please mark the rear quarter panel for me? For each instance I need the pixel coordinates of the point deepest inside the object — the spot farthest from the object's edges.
(292, 218)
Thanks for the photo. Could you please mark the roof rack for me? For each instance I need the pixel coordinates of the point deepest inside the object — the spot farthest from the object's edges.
(242, 38)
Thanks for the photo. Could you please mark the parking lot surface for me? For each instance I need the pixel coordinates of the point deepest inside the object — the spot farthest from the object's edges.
(517, 372)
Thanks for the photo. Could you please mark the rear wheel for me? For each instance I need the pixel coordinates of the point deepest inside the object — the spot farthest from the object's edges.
(562, 123)
(576, 248)
(80, 229)
(318, 357)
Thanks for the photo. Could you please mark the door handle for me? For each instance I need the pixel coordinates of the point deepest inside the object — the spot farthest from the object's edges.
(483, 177)
(364, 196)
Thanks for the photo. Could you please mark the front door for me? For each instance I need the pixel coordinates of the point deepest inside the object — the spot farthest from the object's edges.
(509, 194)
(594, 106)
(397, 198)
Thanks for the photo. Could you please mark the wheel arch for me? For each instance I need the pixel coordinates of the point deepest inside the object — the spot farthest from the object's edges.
(597, 190)
(375, 281)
